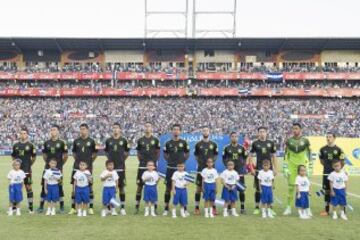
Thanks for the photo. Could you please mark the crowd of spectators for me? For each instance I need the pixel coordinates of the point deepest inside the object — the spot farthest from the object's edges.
(222, 115)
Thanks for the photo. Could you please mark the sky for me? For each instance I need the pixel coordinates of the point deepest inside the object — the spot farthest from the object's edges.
(126, 18)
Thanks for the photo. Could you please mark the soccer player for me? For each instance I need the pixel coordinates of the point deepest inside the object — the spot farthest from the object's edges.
(54, 148)
(204, 149)
(52, 178)
(26, 152)
(262, 148)
(328, 154)
(148, 149)
(117, 150)
(84, 149)
(297, 152)
(237, 153)
(16, 178)
(176, 151)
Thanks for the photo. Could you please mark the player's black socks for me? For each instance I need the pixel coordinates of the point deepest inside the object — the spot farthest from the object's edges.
(42, 203)
(73, 200)
(122, 200)
(138, 199)
(30, 196)
(91, 205)
(167, 200)
(257, 199)
(62, 204)
(197, 200)
(156, 206)
(242, 197)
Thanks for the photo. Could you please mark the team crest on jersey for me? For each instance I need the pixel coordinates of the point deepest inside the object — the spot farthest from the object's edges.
(269, 145)
(181, 145)
(27, 148)
(302, 143)
(152, 142)
(88, 144)
(335, 152)
(58, 145)
(211, 146)
(239, 151)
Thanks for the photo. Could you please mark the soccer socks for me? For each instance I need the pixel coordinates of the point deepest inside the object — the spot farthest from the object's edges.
(327, 202)
(257, 199)
(122, 199)
(242, 200)
(30, 196)
(291, 195)
(138, 199)
(197, 200)
(73, 200)
(167, 200)
(61, 199)
(91, 205)
(42, 197)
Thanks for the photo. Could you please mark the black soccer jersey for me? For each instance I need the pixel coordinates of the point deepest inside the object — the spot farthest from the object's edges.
(147, 149)
(83, 150)
(263, 150)
(116, 150)
(55, 150)
(237, 154)
(328, 154)
(24, 151)
(176, 151)
(203, 151)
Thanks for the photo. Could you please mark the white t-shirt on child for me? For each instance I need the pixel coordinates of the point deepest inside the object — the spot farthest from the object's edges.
(266, 178)
(303, 183)
(16, 177)
(150, 178)
(110, 181)
(52, 176)
(179, 178)
(209, 175)
(230, 177)
(81, 178)
(338, 179)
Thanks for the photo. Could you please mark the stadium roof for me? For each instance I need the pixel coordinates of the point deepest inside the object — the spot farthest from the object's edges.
(274, 44)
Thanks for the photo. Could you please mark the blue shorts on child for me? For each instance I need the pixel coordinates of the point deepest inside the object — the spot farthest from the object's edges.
(82, 195)
(209, 191)
(15, 193)
(108, 194)
(339, 198)
(150, 193)
(53, 194)
(180, 196)
(229, 195)
(303, 200)
(266, 196)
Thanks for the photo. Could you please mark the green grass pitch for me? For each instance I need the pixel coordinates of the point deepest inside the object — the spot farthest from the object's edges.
(195, 227)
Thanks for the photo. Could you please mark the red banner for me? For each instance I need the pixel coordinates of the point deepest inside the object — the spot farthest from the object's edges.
(179, 92)
(174, 76)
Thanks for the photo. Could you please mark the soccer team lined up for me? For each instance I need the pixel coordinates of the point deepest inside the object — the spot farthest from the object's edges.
(296, 168)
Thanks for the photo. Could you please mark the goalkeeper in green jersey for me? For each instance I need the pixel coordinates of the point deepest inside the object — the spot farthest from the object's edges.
(297, 152)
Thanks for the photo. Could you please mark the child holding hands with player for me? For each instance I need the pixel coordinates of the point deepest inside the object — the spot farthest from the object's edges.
(110, 179)
(338, 184)
(266, 178)
(229, 178)
(16, 178)
(52, 178)
(82, 178)
(150, 178)
(209, 186)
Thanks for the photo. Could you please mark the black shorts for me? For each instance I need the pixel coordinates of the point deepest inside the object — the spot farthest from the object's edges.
(122, 178)
(242, 180)
(139, 180)
(169, 174)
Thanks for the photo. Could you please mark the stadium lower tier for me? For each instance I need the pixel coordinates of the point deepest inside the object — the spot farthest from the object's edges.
(222, 115)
